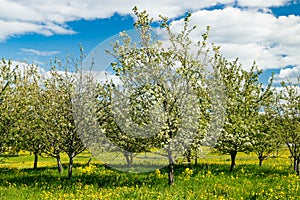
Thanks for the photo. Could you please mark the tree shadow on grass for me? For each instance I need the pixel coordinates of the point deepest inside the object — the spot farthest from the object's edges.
(104, 176)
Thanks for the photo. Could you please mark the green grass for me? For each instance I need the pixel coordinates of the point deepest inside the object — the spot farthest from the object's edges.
(210, 179)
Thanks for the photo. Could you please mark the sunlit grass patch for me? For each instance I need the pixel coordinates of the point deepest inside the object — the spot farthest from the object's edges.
(210, 179)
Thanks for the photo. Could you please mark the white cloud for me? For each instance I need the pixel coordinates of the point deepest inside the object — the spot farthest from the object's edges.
(250, 33)
(50, 16)
(18, 64)
(251, 36)
(262, 3)
(288, 74)
(21, 67)
(39, 53)
(13, 28)
(105, 77)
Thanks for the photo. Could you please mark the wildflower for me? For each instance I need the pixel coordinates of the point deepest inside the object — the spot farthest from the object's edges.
(188, 171)
(158, 173)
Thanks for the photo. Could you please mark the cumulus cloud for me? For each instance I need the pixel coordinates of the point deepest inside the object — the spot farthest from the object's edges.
(21, 67)
(13, 28)
(288, 74)
(244, 28)
(50, 16)
(262, 3)
(273, 42)
(15, 63)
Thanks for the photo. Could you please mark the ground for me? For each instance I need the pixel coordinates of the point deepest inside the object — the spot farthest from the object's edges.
(210, 179)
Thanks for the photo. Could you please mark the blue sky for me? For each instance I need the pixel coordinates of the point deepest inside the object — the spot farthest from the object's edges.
(267, 31)
(34, 47)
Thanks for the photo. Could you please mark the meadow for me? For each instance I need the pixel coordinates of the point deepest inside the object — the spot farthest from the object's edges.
(210, 179)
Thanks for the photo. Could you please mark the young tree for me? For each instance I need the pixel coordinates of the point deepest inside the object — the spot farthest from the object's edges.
(289, 113)
(265, 140)
(28, 109)
(163, 87)
(244, 99)
(52, 116)
(8, 141)
(72, 144)
(263, 137)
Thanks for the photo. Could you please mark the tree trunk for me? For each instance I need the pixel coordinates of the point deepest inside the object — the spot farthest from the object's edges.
(196, 158)
(233, 156)
(171, 174)
(70, 169)
(129, 158)
(88, 163)
(260, 158)
(59, 165)
(189, 155)
(36, 158)
(297, 165)
(260, 161)
(171, 168)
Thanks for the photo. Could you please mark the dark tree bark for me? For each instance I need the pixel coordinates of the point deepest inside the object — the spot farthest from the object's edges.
(260, 159)
(70, 169)
(188, 156)
(88, 163)
(59, 165)
(233, 156)
(297, 165)
(171, 174)
(129, 158)
(260, 162)
(36, 158)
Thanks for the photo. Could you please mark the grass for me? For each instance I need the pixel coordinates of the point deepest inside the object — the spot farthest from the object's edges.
(210, 179)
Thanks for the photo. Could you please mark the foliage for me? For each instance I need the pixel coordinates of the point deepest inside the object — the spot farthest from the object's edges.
(245, 96)
(289, 113)
(28, 112)
(66, 137)
(163, 95)
(8, 78)
(265, 140)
